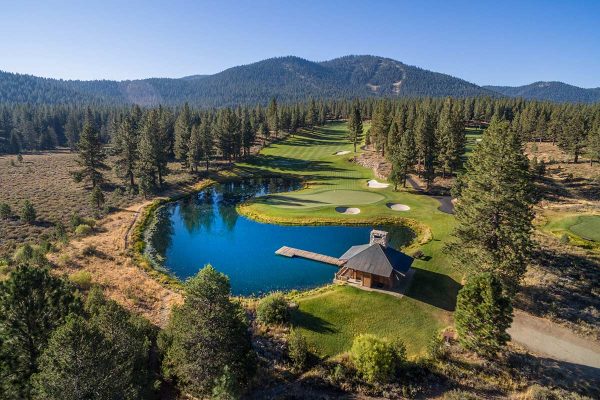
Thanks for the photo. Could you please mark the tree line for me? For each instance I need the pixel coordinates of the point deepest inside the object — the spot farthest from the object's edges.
(573, 126)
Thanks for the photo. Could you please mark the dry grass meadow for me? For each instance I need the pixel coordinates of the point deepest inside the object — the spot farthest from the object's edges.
(45, 180)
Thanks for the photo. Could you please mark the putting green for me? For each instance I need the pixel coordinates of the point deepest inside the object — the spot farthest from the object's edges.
(587, 227)
(324, 198)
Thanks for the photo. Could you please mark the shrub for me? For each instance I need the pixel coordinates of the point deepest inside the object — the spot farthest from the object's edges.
(273, 309)
(374, 358)
(460, 395)
(83, 279)
(28, 213)
(89, 251)
(23, 254)
(564, 238)
(297, 350)
(60, 232)
(28, 254)
(436, 348)
(83, 230)
(5, 211)
(76, 220)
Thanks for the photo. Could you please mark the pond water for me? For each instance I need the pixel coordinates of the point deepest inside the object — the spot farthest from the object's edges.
(206, 229)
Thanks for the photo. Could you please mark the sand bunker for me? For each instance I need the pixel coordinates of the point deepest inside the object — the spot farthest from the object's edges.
(398, 207)
(341, 153)
(373, 183)
(478, 140)
(348, 210)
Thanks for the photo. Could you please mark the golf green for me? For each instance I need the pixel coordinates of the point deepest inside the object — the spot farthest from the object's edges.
(324, 198)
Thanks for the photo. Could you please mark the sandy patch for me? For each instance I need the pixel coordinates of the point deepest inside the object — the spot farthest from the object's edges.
(398, 207)
(373, 183)
(478, 140)
(348, 210)
(341, 153)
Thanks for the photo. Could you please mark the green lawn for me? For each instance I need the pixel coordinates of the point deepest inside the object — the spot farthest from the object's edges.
(332, 181)
(585, 227)
(331, 319)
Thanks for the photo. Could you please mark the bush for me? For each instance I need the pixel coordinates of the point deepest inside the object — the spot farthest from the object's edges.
(273, 309)
(460, 395)
(83, 279)
(565, 239)
(436, 348)
(76, 220)
(89, 251)
(28, 213)
(5, 211)
(375, 359)
(83, 230)
(298, 350)
(60, 232)
(28, 254)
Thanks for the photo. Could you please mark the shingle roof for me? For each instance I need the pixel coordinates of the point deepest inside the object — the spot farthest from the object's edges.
(377, 259)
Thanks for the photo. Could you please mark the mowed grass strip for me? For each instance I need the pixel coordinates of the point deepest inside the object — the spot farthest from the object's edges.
(332, 318)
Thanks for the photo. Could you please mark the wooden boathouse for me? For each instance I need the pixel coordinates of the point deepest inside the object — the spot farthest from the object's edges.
(373, 265)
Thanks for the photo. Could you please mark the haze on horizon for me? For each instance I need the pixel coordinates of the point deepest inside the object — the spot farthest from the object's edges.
(486, 44)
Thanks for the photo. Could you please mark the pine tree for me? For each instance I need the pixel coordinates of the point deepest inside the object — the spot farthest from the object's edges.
(483, 314)
(574, 136)
(273, 117)
(125, 144)
(91, 154)
(593, 145)
(97, 197)
(248, 133)
(425, 145)
(380, 126)
(313, 114)
(402, 155)
(183, 132)
(150, 153)
(493, 213)
(207, 139)
(195, 153)
(32, 304)
(206, 334)
(355, 126)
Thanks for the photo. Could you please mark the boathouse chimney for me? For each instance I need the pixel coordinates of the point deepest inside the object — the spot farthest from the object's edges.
(379, 237)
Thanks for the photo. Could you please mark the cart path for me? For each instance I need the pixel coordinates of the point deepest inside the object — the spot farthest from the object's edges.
(547, 338)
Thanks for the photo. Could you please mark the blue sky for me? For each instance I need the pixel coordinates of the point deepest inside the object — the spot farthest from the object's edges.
(485, 42)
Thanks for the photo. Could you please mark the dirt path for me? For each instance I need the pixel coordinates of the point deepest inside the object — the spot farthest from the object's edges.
(113, 269)
(546, 338)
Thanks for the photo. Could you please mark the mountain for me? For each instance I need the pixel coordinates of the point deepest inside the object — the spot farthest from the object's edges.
(552, 91)
(287, 78)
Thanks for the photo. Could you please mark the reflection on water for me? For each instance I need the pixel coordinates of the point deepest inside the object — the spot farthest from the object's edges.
(206, 229)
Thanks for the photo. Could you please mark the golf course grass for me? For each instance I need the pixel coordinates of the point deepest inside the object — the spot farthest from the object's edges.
(583, 227)
(331, 317)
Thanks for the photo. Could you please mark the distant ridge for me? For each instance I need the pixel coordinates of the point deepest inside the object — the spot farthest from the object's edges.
(551, 91)
(287, 78)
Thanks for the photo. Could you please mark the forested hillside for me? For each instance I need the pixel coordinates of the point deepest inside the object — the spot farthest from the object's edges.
(552, 91)
(287, 78)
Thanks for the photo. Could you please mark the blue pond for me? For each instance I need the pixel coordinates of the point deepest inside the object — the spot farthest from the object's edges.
(206, 229)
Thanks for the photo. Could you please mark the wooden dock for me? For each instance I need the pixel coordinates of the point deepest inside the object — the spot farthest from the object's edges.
(309, 255)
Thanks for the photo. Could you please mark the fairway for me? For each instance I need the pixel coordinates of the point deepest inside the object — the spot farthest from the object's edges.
(331, 317)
